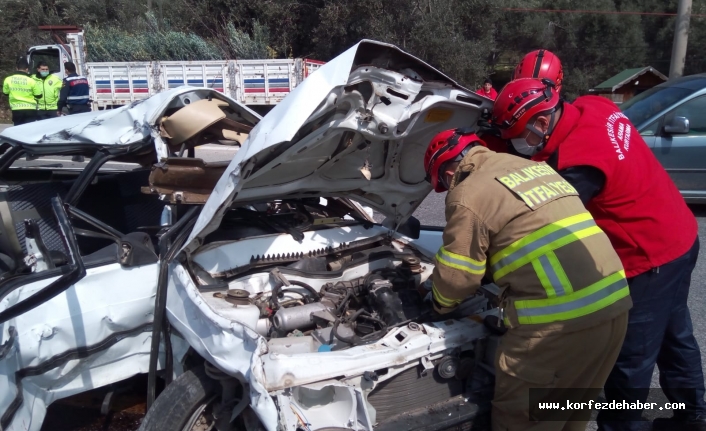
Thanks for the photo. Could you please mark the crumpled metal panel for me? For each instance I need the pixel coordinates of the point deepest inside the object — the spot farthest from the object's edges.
(233, 347)
(123, 126)
(305, 145)
(284, 371)
(220, 257)
(229, 340)
(109, 312)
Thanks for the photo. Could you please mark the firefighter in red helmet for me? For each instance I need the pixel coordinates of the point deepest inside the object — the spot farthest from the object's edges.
(540, 64)
(594, 146)
(562, 284)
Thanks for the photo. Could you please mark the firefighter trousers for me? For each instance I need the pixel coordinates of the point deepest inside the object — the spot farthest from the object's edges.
(555, 368)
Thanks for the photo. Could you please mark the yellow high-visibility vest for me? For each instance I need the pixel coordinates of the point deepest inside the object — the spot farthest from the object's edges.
(22, 90)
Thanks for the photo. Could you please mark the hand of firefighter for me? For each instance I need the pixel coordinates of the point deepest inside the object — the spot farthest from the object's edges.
(440, 310)
(425, 291)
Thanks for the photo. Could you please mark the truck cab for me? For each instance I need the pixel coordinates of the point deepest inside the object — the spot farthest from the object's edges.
(56, 55)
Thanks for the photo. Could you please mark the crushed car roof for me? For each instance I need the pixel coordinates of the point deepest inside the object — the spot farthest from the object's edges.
(123, 126)
(358, 127)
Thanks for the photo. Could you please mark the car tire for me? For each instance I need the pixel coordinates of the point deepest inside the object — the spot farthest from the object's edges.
(181, 401)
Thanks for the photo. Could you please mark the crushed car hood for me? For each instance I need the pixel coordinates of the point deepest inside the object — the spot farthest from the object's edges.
(358, 127)
(124, 126)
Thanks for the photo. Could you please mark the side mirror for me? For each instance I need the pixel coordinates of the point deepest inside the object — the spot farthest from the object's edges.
(677, 126)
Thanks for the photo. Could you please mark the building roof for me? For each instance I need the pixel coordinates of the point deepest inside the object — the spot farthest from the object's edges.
(626, 76)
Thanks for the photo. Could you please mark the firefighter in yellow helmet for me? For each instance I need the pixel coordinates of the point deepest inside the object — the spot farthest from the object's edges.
(23, 92)
(51, 87)
(564, 300)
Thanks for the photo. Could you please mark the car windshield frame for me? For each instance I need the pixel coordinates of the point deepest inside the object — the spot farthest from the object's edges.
(642, 109)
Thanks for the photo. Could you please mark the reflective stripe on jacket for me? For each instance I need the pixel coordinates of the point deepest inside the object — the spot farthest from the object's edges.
(51, 87)
(520, 223)
(22, 90)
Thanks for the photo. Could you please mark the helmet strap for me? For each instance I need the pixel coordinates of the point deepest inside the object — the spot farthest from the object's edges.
(544, 136)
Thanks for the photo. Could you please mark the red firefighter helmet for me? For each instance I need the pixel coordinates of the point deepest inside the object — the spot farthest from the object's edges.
(540, 64)
(519, 101)
(445, 147)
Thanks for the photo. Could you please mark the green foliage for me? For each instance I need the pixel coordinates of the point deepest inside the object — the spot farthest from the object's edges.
(112, 44)
(466, 39)
(240, 45)
(592, 47)
(455, 36)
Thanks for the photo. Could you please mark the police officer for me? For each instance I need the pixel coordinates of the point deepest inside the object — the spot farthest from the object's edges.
(74, 92)
(51, 87)
(23, 93)
(594, 146)
(563, 285)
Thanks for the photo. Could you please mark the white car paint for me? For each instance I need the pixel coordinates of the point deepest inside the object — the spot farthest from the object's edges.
(315, 165)
(227, 336)
(113, 299)
(123, 126)
(110, 302)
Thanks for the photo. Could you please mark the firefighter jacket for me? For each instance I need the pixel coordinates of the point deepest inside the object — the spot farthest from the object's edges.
(51, 87)
(639, 207)
(75, 91)
(523, 225)
(22, 90)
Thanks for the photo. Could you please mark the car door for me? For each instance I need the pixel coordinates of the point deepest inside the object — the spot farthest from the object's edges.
(684, 155)
(77, 327)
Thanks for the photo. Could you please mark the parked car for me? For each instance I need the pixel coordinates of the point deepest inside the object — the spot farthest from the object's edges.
(273, 300)
(671, 118)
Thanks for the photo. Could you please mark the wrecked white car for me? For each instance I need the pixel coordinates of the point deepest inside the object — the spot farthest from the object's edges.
(79, 241)
(326, 325)
(269, 299)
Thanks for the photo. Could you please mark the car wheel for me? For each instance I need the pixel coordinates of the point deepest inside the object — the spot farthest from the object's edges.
(185, 405)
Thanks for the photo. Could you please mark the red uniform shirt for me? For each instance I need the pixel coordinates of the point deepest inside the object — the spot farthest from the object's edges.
(639, 207)
(492, 94)
(495, 144)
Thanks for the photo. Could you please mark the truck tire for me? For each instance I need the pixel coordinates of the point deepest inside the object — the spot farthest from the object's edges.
(182, 402)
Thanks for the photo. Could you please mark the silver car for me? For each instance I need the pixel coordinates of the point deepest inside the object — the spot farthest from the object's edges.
(671, 118)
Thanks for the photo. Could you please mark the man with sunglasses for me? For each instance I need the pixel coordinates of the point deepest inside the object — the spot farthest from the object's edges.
(595, 148)
(564, 298)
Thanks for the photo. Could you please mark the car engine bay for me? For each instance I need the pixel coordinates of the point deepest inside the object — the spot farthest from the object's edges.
(361, 310)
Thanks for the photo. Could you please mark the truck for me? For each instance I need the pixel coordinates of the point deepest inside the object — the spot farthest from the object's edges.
(260, 84)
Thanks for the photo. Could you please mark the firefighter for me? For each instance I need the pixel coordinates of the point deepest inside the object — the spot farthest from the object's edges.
(75, 94)
(540, 64)
(594, 146)
(23, 92)
(51, 86)
(563, 286)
